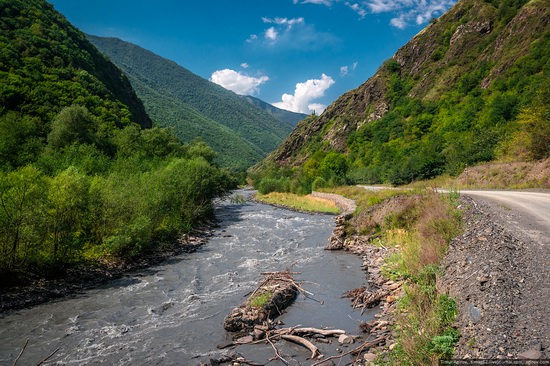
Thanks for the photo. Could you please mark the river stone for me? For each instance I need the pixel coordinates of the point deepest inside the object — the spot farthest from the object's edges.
(474, 313)
(345, 339)
(370, 357)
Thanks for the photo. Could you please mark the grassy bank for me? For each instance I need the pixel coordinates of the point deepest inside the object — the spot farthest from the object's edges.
(420, 225)
(301, 203)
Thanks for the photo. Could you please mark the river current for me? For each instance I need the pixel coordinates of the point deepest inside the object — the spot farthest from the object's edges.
(172, 313)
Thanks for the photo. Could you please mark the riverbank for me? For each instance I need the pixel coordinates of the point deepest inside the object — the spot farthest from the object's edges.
(33, 290)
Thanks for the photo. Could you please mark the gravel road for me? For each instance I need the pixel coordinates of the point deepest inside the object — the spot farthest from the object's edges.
(498, 271)
(527, 213)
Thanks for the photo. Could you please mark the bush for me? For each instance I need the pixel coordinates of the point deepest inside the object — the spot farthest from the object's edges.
(319, 182)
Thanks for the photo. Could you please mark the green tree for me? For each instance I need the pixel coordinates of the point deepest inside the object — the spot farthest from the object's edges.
(21, 196)
(72, 125)
(67, 208)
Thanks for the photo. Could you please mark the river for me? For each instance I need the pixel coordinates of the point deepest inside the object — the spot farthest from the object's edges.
(172, 313)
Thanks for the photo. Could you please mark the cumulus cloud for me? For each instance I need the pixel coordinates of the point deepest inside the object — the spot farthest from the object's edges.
(304, 94)
(244, 65)
(271, 34)
(238, 82)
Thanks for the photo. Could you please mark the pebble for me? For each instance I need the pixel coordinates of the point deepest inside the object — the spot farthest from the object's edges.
(530, 355)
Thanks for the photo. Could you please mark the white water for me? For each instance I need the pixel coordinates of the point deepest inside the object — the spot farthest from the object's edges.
(172, 314)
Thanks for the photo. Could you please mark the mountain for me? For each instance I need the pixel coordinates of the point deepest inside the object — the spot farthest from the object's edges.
(195, 107)
(472, 86)
(47, 64)
(291, 118)
(85, 179)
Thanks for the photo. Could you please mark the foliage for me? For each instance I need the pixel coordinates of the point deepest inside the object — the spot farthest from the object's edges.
(46, 64)
(425, 316)
(260, 300)
(79, 178)
(194, 107)
(118, 208)
(454, 98)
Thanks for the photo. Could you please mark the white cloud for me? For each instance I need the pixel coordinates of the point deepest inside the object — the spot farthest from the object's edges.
(304, 94)
(406, 12)
(320, 2)
(400, 22)
(357, 8)
(238, 82)
(271, 34)
(284, 21)
(244, 65)
(410, 11)
(293, 33)
(344, 70)
(318, 108)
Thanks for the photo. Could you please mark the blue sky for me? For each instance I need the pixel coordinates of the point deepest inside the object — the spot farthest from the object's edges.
(300, 55)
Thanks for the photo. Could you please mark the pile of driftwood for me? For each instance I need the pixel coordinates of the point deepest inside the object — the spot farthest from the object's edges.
(302, 336)
(275, 293)
(252, 323)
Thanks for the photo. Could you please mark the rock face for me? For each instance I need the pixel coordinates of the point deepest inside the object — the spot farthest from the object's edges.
(470, 34)
(274, 294)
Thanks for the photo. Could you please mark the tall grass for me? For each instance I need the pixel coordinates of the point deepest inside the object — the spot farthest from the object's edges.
(424, 316)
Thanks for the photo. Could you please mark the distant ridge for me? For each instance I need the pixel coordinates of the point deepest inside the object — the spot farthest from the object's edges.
(292, 118)
(194, 107)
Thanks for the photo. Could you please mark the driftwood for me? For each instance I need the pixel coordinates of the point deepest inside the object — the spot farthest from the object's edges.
(324, 332)
(304, 342)
(277, 291)
(363, 298)
(354, 351)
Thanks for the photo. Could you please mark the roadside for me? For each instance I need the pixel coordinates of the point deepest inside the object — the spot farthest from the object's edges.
(498, 271)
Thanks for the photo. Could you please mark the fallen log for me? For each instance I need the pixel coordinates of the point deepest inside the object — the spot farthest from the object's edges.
(304, 342)
(275, 293)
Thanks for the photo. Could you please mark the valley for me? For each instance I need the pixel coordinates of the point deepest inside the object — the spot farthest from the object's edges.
(140, 201)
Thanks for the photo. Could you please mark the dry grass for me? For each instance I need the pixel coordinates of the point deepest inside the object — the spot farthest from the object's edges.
(302, 203)
(496, 175)
(425, 316)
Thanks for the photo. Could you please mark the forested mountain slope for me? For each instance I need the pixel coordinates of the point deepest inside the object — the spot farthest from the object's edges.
(196, 107)
(473, 86)
(84, 178)
(46, 64)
